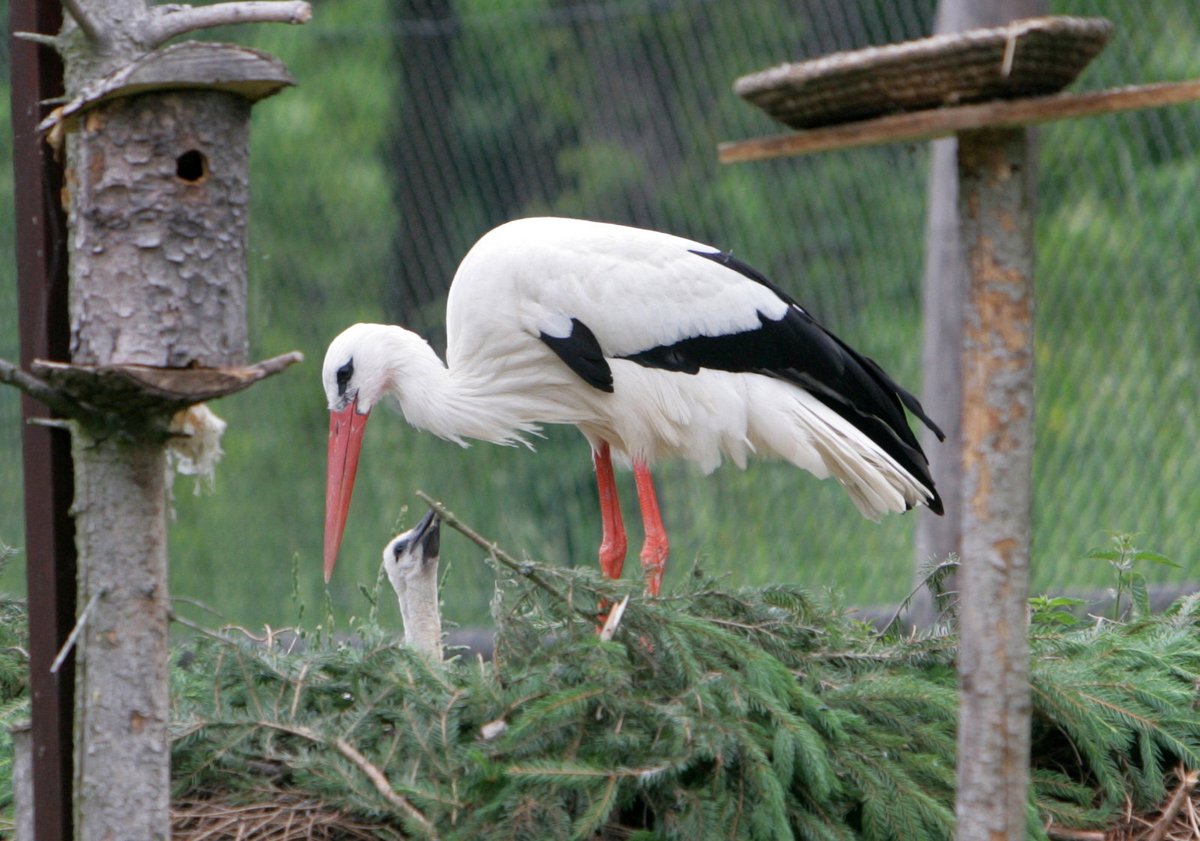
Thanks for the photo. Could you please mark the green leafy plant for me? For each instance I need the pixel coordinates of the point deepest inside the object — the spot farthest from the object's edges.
(1124, 556)
(1054, 610)
(14, 679)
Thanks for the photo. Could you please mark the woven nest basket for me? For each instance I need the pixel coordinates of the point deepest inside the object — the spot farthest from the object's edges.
(282, 817)
(1029, 57)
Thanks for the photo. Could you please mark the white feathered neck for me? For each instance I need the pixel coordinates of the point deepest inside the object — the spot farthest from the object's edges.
(455, 405)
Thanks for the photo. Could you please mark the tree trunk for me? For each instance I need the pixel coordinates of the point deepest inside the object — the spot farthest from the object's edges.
(941, 366)
(158, 277)
(944, 298)
(122, 767)
(22, 781)
(156, 186)
(997, 427)
(161, 187)
(978, 363)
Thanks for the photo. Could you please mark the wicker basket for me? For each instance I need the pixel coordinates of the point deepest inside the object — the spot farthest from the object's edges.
(1029, 57)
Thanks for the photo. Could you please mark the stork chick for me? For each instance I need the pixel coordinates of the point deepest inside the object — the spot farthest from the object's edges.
(411, 561)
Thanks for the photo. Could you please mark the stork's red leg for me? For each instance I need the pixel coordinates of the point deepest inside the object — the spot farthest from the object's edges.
(612, 540)
(654, 550)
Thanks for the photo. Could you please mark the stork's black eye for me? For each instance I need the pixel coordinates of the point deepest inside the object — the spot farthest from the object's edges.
(343, 376)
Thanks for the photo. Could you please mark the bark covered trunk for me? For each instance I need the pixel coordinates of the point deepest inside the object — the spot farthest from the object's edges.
(158, 194)
(978, 359)
(156, 186)
(158, 200)
(122, 768)
(997, 427)
(944, 298)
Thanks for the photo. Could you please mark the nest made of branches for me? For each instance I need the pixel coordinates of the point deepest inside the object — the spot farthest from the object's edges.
(306, 819)
(709, 712)
(280, 818)
(1178, 819)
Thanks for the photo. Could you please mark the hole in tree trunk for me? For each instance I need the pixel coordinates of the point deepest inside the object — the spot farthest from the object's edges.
(191, 166)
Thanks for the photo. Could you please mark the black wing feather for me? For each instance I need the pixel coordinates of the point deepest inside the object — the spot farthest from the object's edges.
(581, 351)
(798, 349)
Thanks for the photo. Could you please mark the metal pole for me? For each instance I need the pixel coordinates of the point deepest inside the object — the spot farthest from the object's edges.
(37, 75)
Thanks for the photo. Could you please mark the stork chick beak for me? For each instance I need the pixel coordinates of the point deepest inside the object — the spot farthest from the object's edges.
(345, 443)
(428, 532)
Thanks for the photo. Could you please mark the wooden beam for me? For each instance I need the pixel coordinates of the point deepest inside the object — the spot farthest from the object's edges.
(942, 122)
(40, 225)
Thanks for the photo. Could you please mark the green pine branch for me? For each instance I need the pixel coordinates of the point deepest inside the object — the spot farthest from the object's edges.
(744, 714)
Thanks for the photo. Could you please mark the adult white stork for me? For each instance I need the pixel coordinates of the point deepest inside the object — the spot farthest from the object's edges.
(654, 346)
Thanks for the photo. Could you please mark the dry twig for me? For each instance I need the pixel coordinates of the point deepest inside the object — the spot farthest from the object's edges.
(376, 776)
(492, 547)
(277, 819)
(1181, 795)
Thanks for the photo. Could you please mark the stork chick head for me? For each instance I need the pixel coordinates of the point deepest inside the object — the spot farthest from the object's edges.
(413, 553)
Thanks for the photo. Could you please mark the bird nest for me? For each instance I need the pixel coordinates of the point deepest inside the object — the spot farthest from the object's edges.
(1178, 818)
(277, 819)
(306, 819)
(1029, 57)
(705, 712)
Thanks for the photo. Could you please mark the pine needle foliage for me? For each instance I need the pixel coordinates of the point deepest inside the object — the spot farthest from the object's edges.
(751, 714)
(14, 680)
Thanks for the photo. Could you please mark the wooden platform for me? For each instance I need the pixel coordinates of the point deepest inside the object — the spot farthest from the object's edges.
(942, 122)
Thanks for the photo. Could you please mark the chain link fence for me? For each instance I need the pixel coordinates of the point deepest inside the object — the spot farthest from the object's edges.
(418, 125)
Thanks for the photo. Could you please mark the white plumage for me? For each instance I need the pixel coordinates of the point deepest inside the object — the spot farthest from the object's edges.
(655, 347)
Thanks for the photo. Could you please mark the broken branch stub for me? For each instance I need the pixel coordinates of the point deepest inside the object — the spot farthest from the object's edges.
(115, 393)
(102, 36)
(194, 65)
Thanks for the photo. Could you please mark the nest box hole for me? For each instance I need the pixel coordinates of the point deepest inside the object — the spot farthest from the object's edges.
(191, 166)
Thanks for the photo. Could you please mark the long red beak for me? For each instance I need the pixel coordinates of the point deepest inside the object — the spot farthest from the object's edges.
(345, 443)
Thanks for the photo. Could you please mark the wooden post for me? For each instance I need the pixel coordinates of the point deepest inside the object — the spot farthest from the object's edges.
(997, 426)
(159, 190)
(995, 218)
(46, 453)
(22, 781)
(942, 302)
(156, 183)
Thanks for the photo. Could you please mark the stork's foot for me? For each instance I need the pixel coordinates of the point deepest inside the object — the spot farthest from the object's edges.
(654, 561)
(612, 539)
(654, 550)
(612, 557)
